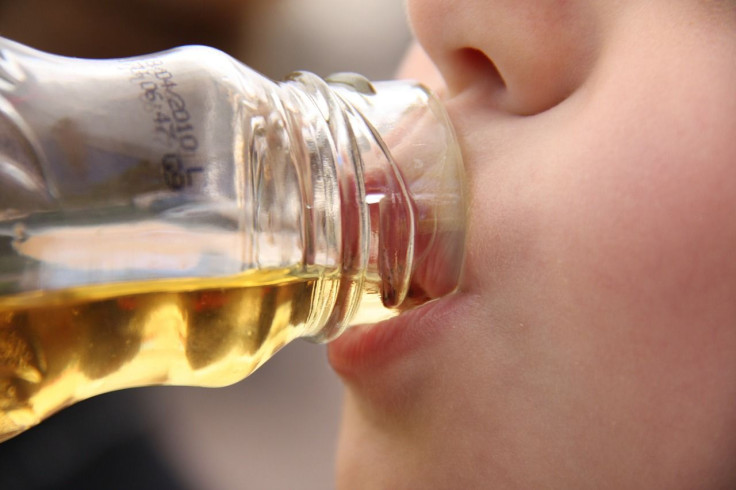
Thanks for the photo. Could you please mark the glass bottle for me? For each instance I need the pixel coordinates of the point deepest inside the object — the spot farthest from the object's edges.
(177, 218)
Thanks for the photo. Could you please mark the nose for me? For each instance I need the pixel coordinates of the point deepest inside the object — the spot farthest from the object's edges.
(526, 55)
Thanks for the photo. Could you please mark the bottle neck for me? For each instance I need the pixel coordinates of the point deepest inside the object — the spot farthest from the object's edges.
(400, 211)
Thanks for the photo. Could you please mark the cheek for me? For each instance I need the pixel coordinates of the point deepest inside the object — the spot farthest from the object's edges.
(635, 226)
(641, 252)
(621, 202)
(606, 258)
(642, 204)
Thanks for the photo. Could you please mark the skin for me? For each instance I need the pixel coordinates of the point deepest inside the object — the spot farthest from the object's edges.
(592, 342)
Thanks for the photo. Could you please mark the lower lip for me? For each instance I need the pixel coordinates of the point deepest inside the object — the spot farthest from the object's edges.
(366, 348)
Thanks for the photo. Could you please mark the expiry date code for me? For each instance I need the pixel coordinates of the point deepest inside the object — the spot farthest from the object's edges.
(173, 127)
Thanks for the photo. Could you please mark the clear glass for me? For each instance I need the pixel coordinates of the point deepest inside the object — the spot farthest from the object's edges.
(177, 218)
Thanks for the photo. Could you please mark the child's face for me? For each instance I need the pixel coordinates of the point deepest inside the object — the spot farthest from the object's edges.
(593, 343)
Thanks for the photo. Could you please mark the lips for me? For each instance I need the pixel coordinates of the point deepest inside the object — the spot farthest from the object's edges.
(368, 349)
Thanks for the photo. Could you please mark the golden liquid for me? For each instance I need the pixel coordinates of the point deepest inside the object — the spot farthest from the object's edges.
(60, 347)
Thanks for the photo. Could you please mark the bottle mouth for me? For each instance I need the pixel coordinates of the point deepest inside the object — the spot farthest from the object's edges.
(422, 216)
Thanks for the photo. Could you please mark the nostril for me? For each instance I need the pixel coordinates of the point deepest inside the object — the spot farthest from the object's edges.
(516, 84)
(472, 67)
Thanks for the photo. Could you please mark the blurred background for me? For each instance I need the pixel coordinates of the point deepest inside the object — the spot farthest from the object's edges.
(278, 428)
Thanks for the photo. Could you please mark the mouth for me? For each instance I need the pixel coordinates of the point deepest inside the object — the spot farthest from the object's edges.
(367, 349)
